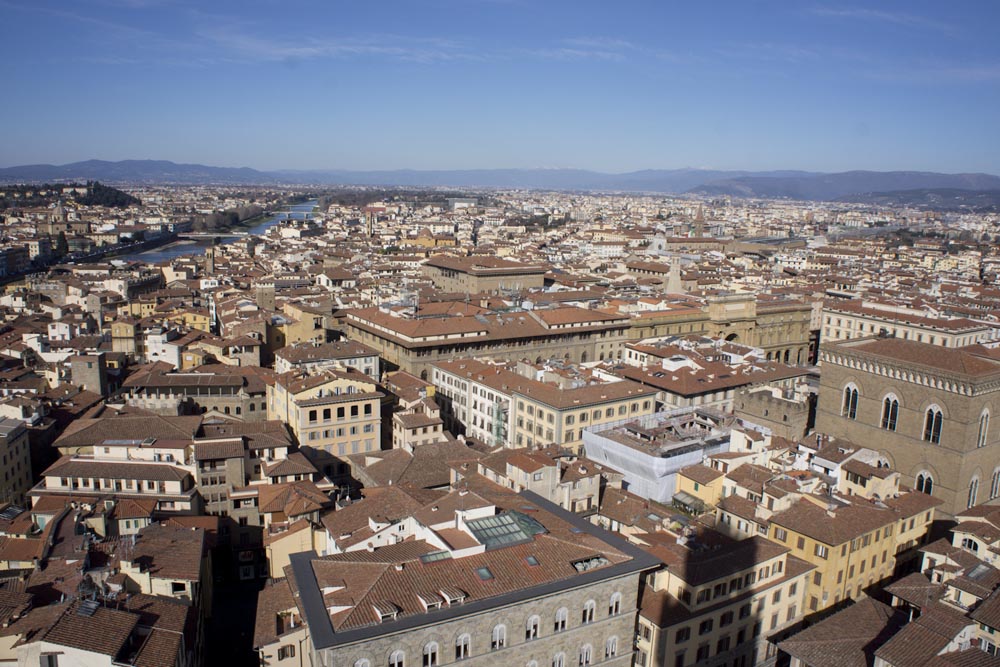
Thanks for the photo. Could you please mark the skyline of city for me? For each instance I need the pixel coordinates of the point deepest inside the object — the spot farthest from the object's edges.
(445, 85)
(426, 333)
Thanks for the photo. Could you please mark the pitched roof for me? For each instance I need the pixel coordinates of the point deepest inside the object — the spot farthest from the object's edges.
(849, 638)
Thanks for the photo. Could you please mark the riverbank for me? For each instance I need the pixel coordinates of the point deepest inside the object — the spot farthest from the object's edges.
(256, 226)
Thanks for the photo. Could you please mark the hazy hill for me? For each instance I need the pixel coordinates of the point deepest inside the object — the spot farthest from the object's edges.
(133, 171)
(847, 186)
(825, 187)
(939, 199)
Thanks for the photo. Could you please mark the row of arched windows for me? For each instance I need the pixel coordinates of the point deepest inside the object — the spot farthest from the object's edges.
(925, 484)
(431, 655)
(498, 638)
(933, 417)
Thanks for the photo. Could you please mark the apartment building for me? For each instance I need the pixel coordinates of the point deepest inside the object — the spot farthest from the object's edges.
(15, 453)
(227, 391)
(335, 412)
(574, 483)
(538, 412)
(724, 605)
(852, 545)
(847, 319)
(333, 356)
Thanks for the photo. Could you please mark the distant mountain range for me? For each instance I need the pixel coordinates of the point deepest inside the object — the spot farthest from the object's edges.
(938, 199)
(845, 186)
(848, 183)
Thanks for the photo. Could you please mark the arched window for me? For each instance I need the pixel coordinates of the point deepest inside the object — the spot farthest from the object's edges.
(932, 424)
(611, 647)
(499, 637)
(362, 662)
(431, 655)
(397, 659)
(973, 491)
(890, 412)
(615, 605)
(562, 615)
(531, 627)
(559, 660)
(850, 407)
(463, 645)
(984, 428)
(995, 484)
(588, 611)
(925, 483)
(586, 655)
(532, 663)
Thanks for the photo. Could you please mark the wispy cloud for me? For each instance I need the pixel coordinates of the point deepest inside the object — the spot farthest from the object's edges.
(570, 53)
(240, 43)
(607, 49)
(109, 30)
(882, 16)
(604, 43)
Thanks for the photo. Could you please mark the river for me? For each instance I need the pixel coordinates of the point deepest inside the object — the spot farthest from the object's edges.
(186, 247)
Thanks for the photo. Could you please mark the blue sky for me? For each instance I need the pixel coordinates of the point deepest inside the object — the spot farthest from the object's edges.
(440, 84)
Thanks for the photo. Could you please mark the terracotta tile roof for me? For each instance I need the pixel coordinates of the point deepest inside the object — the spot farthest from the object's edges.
(846, 523)
(924, 637)
(295, 463)
(700, 473)
(368, 583)
(13, 605)
(426, 467)
(697, 568)
(69, 466)
(229, 448)
(259, 435)
(988, 611)
(292, 499)
(106, 631)
(89, 432)
(172, 629)
(849, 638)
(304, 353)
(133, 508)
(35, 622)
(169, 552)
(511, 383)
(972, 361)
(916, 589)
(272, 602)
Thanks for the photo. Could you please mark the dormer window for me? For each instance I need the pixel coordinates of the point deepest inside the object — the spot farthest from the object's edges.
(430, 600)
(386, 611)
(453, 595)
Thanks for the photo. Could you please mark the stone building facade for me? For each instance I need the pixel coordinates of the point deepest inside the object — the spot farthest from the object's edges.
(925, 408)
(606, 631)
